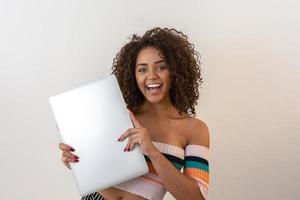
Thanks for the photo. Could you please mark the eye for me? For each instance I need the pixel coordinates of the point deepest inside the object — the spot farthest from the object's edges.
(162, 67)
(141, 69)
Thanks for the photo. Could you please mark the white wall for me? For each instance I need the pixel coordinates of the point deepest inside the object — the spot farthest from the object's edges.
(249, 98)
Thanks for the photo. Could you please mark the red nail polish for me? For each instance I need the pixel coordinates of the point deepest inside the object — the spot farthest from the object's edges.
(125, 149)
(71, 149)
(119, 139)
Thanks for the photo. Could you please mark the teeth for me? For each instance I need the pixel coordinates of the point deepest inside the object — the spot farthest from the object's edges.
(153, 85)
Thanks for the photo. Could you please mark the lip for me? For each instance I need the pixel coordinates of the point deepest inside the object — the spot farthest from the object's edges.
(153, 92)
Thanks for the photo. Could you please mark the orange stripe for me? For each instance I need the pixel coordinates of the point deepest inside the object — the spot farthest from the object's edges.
(201, 174)
(152, 180)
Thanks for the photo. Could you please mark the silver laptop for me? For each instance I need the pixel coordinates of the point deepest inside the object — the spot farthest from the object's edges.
(91, 118)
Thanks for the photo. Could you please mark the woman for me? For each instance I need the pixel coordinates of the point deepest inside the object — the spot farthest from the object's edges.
(159, 75)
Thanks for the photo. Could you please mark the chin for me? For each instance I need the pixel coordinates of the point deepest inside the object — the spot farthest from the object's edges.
(154, 99)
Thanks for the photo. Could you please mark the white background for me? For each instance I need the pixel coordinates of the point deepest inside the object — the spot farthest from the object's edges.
(249, 99)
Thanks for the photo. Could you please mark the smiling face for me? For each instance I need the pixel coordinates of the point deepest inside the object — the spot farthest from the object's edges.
(152, 75)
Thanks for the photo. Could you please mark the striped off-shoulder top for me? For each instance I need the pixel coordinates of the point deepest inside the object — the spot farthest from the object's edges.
(193, 159)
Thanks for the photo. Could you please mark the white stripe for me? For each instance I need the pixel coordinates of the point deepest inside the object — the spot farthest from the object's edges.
(199, 180)
(169, 149)
(203, 189)
(197, 150)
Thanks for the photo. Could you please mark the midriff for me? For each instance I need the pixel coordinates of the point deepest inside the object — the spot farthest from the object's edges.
(112, 193)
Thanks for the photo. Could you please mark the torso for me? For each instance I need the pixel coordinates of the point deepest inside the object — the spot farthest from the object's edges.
(173, 131)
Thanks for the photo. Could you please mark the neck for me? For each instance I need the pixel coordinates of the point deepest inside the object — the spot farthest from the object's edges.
(162, 109)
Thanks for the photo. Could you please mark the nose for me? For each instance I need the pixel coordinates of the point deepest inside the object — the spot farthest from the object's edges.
(152, 73)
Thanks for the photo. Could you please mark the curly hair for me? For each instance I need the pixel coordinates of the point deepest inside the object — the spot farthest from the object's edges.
(181, 58)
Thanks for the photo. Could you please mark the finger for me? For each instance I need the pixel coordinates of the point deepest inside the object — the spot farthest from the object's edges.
(128, 133)
(67, 160)
(132, 141)
(67, 164)
(65, 147)
(127, 147)
(134, 120)
(135, 141)
(69, 155)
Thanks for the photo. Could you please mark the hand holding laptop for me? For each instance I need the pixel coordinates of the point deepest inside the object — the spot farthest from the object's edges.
(139, 135)
(90, 119)
(67, 156)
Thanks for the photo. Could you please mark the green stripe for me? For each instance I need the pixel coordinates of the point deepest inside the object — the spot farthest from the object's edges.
(198, 165)
(178, 166)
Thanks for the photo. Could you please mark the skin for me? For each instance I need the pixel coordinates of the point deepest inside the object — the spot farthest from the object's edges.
(158, 119)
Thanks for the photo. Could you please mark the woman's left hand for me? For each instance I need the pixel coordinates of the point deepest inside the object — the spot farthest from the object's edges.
(138, 135)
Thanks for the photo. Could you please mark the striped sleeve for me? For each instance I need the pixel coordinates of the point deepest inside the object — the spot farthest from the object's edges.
(93, 196)
(196, 166)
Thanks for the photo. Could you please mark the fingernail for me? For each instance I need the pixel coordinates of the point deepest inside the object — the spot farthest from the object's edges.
(119, 139)
(76, 157)
(125, 149)
(71, 149)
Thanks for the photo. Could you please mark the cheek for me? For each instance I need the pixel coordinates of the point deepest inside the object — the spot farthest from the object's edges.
(167, 78)
(139, 82)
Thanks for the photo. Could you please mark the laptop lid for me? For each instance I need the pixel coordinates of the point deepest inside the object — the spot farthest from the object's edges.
(91, 118)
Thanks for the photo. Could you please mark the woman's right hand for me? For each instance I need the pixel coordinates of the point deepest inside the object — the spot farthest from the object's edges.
(67, 156)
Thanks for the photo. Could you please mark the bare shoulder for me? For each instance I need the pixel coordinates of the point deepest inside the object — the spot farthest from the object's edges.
(198, 132)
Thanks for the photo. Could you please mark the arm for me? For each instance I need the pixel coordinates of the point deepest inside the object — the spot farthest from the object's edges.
(180, 185)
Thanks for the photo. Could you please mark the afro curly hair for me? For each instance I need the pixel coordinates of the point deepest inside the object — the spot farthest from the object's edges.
(181, 58)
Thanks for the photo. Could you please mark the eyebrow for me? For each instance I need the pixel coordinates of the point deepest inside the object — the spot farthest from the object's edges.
(156, 62)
